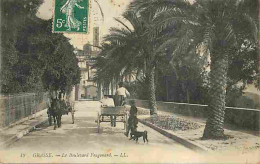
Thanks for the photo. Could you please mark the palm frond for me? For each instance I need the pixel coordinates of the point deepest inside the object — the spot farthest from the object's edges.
(157, 4)
(166, 44)
(183, 44)
(209, 36)
(253, 25)
(134, 20)
(230, 34)
(122, 23)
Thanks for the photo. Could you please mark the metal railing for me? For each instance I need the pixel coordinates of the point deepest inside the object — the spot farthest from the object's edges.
(16, 107)
(241, 117)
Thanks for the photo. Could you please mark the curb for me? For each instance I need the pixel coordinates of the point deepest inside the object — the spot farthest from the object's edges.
(185, 142)
(21, 134)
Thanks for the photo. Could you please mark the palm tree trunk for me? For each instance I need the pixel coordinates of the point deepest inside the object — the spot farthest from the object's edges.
(218, 80)
(152, 97)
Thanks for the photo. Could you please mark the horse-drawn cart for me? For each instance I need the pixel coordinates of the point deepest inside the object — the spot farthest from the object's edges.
(113, 115)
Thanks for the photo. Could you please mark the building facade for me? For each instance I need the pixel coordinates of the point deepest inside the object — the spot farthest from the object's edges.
(87, 89)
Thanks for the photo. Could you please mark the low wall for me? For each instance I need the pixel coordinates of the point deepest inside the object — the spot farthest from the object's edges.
(241, 117)
(16, 107)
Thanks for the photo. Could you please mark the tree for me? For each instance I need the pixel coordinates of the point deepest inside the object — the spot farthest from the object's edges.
(161, 33)
(34, 59)
(11, 23)
(220, 27)
(59, 66)
(226, 26)
(129, 49)
(185, 83)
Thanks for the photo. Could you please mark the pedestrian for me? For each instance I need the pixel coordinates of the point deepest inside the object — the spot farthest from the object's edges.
(122, 93)
(132, 120)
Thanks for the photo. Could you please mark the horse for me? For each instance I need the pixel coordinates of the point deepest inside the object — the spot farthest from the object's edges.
(55, 111)
(58, 108)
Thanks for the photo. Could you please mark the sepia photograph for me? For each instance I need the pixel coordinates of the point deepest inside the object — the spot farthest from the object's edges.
(130, 81)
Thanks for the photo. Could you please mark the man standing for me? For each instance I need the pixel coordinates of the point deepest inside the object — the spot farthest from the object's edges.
(122, 93)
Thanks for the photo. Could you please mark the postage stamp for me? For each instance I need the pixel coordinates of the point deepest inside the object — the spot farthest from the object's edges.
(71, 16)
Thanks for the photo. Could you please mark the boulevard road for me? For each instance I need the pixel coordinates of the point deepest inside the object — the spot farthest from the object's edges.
(81, 143)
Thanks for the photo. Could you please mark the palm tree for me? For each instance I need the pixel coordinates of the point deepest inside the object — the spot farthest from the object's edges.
(226, 26)
(116, 57)
(130, 49)
(221, 27)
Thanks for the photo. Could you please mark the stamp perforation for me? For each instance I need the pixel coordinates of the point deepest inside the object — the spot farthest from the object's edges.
(73, 32)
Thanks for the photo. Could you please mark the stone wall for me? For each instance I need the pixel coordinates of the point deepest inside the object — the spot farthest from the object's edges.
(16, 107)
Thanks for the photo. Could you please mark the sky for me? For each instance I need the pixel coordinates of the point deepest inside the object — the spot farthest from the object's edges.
(110, 8)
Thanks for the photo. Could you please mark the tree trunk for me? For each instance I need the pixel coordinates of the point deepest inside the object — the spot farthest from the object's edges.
(152, 97)
(218, 81)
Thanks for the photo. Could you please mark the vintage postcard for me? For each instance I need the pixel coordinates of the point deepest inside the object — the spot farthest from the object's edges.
(130, 81)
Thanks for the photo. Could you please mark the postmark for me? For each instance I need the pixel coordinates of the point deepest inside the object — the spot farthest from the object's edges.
(71, 16)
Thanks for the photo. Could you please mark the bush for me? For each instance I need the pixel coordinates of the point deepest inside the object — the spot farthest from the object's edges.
(245, 102)
(233, 94)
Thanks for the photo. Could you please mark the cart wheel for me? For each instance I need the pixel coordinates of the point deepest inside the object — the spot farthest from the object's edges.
(126, 118)
(98, 123)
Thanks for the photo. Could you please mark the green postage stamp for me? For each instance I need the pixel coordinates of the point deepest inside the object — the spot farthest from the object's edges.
(71, 16)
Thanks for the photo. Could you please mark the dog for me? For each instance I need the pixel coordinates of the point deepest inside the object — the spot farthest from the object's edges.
(135, 135)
